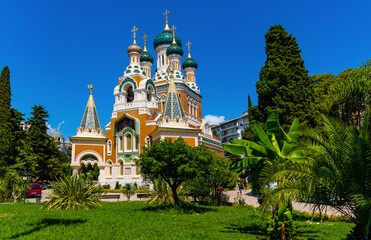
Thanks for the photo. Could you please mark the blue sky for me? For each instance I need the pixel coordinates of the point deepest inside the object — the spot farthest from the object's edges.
(55, 48)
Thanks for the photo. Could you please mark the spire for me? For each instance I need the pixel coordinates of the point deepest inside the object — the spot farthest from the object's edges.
(167, 23)
(90, 118)
(189, 49)
(173, 108)
(145, 42)
(173, 29)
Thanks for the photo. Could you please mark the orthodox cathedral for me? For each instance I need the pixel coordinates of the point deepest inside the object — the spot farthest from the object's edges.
(147, 109)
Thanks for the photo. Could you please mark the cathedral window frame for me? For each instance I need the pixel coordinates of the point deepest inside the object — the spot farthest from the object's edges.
(147, 141)
(127, 141)
(109, 147)
(109, 169)
(121, 167)
(120, 143)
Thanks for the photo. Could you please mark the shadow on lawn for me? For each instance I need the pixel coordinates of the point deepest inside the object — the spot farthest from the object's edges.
(47, 222)
(253, 229)
(183, 209)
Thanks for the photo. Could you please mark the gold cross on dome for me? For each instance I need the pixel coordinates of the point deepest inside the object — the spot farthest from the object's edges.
(173, 29)
(189, 45)
(166, 13)
(134, 31)
(145, 38)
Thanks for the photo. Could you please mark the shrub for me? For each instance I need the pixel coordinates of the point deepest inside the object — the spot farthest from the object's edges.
(76, 192)
(117, 186)
(106, 186)
(239, 201)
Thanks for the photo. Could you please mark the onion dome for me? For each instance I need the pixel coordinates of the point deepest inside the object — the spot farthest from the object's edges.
(134, 48)
(146, 56)
(174, 49)
(166, 37)
(189, 62)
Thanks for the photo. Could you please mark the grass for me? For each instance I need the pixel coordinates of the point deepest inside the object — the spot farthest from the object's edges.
(137, 220)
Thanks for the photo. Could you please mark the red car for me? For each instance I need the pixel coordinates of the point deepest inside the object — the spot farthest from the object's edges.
(34, 189)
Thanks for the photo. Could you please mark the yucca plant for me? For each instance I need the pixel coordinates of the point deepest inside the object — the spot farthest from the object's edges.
(73, 192)
(163, 195)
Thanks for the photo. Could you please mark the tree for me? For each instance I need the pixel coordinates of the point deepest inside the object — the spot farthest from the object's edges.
(212, 174)
(272, 149)
(45, 153)
(284, 84)
(174, 162)
(18, 135)
(5, 114)
(129, 190)
(342, 157)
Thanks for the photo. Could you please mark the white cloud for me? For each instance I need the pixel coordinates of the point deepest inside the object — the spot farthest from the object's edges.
(51, 129)
(214, 120)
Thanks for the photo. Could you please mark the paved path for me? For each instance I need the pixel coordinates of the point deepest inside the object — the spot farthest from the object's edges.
(253, 200)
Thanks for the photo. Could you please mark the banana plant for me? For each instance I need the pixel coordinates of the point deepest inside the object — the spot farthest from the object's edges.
(272, 150)
(270, 146)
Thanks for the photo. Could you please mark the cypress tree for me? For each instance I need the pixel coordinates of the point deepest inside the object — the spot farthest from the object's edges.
(5, 113)
(284, 84)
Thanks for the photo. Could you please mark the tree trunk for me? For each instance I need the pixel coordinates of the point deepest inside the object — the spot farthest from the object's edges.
(175, 195)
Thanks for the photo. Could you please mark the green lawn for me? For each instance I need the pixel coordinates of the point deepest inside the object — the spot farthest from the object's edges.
(137, 220)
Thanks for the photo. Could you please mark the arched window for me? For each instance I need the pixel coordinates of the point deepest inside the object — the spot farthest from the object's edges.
(149, 93)
(128, 142)
(109, 147)
(119, 144)
(109, 168)
(121, 170)
(135, 140)
(129, 94)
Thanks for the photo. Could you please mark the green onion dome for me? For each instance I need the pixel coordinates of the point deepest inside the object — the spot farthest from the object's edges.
(174, 49)
(166, 37)
(146, 57)
(189, 62)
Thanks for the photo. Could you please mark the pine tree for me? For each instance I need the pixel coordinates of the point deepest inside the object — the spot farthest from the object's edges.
(5, 113)
(284, 84)
(41, 144)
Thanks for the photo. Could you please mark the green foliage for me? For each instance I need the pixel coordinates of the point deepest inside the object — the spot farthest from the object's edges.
(215, 200)
(129, 190)
(284, 84)
(138, 220)
(174, 162)
(5, 115)
(163, 195)
(212, 174)
(342, 167)
(73, 192)
(281, 219)
(344, 96)
(10, 186)
(43, 152)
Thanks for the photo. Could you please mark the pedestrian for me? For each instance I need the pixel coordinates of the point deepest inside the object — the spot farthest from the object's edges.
(240, 187)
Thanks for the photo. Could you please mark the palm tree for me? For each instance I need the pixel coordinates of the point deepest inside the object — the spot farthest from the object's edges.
(342, 166)
(75, 192)
(129, 190)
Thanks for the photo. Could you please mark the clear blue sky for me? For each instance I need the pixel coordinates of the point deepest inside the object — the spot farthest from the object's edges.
(55, 48)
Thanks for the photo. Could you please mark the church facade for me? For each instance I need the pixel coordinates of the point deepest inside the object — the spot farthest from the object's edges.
(147, 109)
